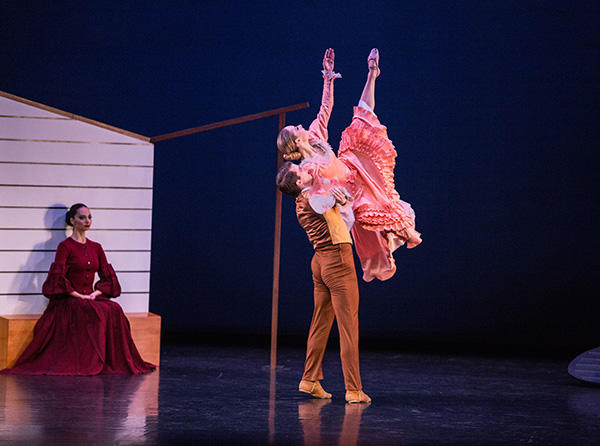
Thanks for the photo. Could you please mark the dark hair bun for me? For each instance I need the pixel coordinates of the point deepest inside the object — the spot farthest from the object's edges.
(72, 212)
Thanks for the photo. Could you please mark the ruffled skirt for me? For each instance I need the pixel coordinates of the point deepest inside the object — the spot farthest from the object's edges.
(384, 221)
(81, 337)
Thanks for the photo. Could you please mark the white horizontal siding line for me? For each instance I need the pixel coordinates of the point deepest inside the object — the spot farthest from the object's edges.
(85, 176)
(96, 208)
(52, 250)
(38, 294)
(77, 187)
(76, 153)
(76, 164)
(36, 304)
(63, 229)
(50, 239)
(63, 197)
(40, 261)
(45, 271)
(11, 284)
(34, 117)
(78, 142)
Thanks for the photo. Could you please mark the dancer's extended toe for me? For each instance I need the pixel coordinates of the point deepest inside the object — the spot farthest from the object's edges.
(373, 61)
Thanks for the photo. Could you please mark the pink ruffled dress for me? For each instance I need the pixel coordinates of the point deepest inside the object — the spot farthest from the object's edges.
(365, 166)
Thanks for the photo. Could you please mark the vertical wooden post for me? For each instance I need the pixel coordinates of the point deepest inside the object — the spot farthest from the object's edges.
(276, 259)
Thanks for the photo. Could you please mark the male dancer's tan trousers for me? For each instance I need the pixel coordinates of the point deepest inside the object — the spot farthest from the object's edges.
(336, 295)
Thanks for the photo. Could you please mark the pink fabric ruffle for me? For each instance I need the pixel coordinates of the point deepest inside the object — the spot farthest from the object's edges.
(384, 220)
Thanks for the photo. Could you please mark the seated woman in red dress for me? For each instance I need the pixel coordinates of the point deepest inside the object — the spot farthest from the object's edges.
(82, 332)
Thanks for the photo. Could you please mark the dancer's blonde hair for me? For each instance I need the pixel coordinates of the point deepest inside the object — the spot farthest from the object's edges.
(286, 143)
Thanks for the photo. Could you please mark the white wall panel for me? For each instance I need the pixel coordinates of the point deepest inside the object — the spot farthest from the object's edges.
(41, 157)
(8, 107)
(55, 218)
(32, 282)
(76, 153)
(43, 239)
(59, 196)
(131, 303)
(76, 175)
(25, 260)
(41, 260)
(134, 303)
(23, 304)
(60, 130)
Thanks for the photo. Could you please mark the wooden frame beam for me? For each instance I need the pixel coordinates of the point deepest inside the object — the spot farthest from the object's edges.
(228, 122)
(277, 236)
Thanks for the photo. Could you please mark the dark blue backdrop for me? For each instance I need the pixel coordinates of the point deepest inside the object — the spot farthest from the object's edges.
(493, 107)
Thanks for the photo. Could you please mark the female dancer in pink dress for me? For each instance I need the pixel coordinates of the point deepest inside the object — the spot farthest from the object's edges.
(365, 165)
(82, 332)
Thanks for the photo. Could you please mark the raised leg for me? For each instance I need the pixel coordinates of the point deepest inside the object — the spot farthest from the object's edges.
(368, 93)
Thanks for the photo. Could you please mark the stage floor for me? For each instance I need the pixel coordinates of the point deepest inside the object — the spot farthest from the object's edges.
(219, 395)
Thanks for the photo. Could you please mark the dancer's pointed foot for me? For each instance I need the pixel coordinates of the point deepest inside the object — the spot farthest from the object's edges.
(313, 388)
(373, 62)
(357, 396)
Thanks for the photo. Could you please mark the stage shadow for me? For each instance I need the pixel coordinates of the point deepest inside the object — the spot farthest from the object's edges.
(32, 273)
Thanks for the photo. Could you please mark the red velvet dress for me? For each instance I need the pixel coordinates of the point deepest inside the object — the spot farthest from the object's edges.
(81, 336)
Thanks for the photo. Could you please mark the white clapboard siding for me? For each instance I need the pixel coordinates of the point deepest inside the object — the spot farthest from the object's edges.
(22, 304)
(55, 218)
(32, 282)
(24, 261)
(65, 130)
(60, 196)
(50, 159)
(10, 107)
(24, 151)
(36, 304)
(133, 302)
(44, 239)
(75, 175)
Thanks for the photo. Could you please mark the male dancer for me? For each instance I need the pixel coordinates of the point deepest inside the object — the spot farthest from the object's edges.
(335, 285)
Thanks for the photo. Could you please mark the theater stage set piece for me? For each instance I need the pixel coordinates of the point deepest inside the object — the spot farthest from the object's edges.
(50, 159)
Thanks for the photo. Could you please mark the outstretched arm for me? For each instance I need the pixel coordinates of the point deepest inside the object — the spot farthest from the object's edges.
(318, 128)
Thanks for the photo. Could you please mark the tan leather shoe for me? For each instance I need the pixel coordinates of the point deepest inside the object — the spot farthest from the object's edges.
(357, 396)
(313, 388)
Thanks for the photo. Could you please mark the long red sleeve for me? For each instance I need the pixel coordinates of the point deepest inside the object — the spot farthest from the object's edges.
(56, 283)
(108, 283)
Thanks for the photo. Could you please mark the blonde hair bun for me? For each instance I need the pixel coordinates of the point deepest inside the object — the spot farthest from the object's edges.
(292, 156)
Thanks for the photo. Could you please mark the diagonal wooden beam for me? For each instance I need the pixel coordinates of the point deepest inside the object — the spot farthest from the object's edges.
(228, 122)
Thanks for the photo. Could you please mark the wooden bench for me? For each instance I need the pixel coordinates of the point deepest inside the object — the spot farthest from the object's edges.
(16, 332)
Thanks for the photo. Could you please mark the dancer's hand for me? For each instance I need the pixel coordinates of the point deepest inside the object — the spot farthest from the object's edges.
(328, 63)
(339, 195)
(328, 59)
(91, 296)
